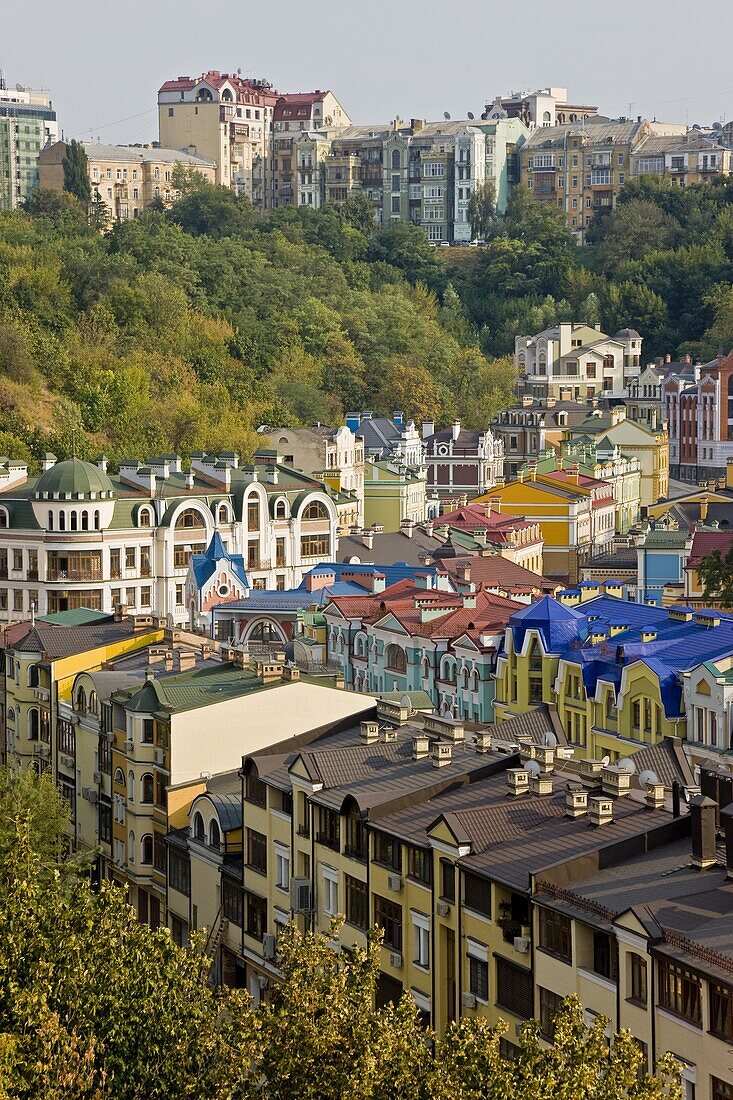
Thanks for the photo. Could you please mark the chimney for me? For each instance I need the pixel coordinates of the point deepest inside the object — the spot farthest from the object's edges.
(406, 527)
(367, 537)
(576, 800)
(675, 798)
(442, 754)
(189, 478)
(518, 780)
(655, 796)
(369, 732)
(387, 735)
(186, 660)
(482, 742)
(169, 660)
(464, 571)
(600, 810)
(101, 461)
(47, 461)
(428, 428)
(456, 429)
(429, 527)
(615, 781)
(420, 747)
(541, 784)
(590, 771)
(703, 811)
(727, 818)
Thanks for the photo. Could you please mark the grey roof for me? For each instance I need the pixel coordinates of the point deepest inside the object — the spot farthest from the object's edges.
(594, 130)
(624, 558)
(389, 546)
(127, 153)
(64, 641)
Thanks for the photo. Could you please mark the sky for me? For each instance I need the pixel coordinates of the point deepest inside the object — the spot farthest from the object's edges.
(103, 62)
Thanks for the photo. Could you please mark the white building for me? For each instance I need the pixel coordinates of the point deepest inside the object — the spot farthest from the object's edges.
(577, 362)
(79, 537)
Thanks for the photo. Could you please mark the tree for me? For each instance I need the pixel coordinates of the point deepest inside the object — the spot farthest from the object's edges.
(482, 209)
(358, 211)
(716, 574)
(405, 246)
(61, 208)
(185, 178)
(76, 172)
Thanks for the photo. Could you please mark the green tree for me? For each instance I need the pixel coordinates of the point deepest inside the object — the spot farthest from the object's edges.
(358, 211)
(76, 172)
(716, 574)
(186, 178)
(405, 246)
(482, 209)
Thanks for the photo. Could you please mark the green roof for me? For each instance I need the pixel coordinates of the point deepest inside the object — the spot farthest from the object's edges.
(80, 616)
(74, 476)
(199, 688)
(665, 540)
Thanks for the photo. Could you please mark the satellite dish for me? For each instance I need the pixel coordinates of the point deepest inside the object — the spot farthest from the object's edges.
(533, 767)
(606, 761)
(649, 779)
(471, 115)
(549, 739)
(626, 764)
(446, 115)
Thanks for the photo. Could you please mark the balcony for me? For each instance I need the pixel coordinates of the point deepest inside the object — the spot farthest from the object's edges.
(73, 575)
(328, 841)
(304, 831)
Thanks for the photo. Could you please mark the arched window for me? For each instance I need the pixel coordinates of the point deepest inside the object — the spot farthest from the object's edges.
(11, 715)
(144, 517)
(315, 509)
(34, 724)
(119, 777)
(464, 679)
(146, 846)
(131, 847)
(214, 834)
(223, 514)
(146, 785)
(474, 680)
(199, 832)
(396, 659)
(190, 518)
(33, 676)
(72, 520)
(448, 671)
(81, 699)
(130, 786)
(85, 520)
(425, 668)
(50, 520)
(3, 517)
(62, 521)
(96, 521)
(395, 158)
(281, 510)
(93, 707)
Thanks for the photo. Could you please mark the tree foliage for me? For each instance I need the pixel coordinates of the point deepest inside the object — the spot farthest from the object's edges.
(76, 172)
(95, 1004)
(716, 574)
(482, 209)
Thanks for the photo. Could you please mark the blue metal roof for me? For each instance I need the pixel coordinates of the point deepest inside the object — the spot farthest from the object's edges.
(205, 565)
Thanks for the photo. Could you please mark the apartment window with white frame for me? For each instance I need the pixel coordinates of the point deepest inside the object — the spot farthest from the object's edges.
(434, 170)
(435, 232)
(421, 939)
(330, 891)
(282, 866)
(433, 192)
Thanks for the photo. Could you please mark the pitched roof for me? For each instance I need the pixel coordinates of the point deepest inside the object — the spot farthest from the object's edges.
(494, 571)
(64, 641)
(704, 542)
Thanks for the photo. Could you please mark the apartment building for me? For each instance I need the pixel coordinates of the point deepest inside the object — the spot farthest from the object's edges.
(533, 426)
(27, 125)
(462, 461)
(414, 636)
(647, 442)
(684, 158)
(576, 514)
(492, 532)
(576, 362)
(79, 537)
(334, 456)
(580, 168)
(125, 178)
(542, 108)
(296, 115)
(699, 414)
(396, 439)
(603, 462)
(227, 119)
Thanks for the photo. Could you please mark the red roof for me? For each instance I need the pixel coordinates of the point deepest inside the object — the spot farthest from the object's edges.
(473, 516)
(248, 91)
(705, 541)
(493, 571)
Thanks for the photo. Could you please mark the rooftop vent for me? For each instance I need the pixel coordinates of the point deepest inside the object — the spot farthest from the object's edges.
(483, 742)
(369, 732)
(449, 729)
(600, 810)
(442, 754)
(615, 781)
(420, 747)
(590, 771)
(576, 800)
(518, 780)
(388, 734)
(541, 784)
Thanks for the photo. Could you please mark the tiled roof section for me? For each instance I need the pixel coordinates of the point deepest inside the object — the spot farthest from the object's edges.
(389, 547)
(494, 571)
(594, 131)
(473, 517)
(466, 440)
(658, 539)
(624, 558)
(667, 760)
(155, 155)
(199, 688)
(64, 641)
(704, 542)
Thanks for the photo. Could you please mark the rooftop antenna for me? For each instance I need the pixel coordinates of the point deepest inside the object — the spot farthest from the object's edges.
(446, 115)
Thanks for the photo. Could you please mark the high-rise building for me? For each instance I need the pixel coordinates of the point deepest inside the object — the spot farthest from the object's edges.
(27, 125)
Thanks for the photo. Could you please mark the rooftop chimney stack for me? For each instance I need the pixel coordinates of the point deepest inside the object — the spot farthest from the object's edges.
(442, 754)
(518, 779)
(655, 796)
(576, 800)
(703, 811)
(420, 747)
(600, 810)
(483, 742)
(369, 732)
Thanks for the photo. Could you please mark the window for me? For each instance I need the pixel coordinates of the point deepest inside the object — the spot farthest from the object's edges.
(637, 979)
(330, 891)
(514, 989)
(214, 834)
(282, 866)
(477, 894)
(721, 1011)
(147, 786)
(421, 940)
(146, 846)
(159, 852)
(232, 901)
(419, 864)
(256, 915)
(329, 828)
(550, 1005)
(357, 844)
(315, 509)
(357, 902)
(721, 1090)
(387, 851)
(197, 828)
(555, 934)
(147, 731)
(253, 515)
(256, 851)
(448, 880)
(314, 546)
(679, 992)
(478, 971)
(388, 915)
(179, 871)
(255, 791)
(395, 659)
(605, 956)
(129, 557)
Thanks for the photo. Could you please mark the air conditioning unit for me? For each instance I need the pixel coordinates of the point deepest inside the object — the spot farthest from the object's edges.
(97, 777)
(159, 755)
(67, 762)
(395, 960)
(129, 744)
(90, 794)
(468, 1000)
(268, 945)
(521, 944)
(394, 882)
(262, 982)
(443, 909)
(300, 895)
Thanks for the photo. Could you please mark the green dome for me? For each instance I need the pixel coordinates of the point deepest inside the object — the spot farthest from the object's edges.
(75, 477)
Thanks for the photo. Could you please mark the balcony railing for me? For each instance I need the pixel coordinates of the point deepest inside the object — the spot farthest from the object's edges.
(74, 575)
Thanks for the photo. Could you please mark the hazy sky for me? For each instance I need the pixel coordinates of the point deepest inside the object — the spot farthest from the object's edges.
(104, 61)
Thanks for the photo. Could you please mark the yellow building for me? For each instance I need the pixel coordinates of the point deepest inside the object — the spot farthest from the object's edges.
(576, 514)
(649, 443)
(393, 493)
(126, 179)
